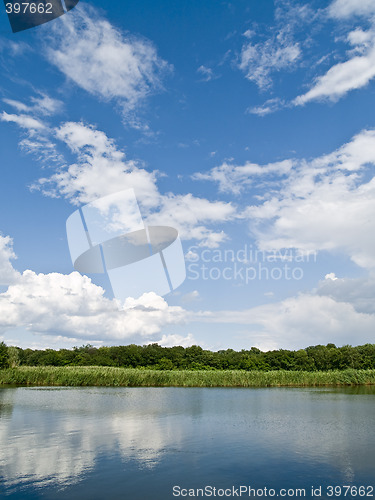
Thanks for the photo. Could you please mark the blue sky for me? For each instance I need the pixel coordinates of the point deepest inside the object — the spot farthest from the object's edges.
(248, 126)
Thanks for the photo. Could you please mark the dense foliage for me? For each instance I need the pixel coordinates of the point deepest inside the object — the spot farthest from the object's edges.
(313, 358)
(4, 355)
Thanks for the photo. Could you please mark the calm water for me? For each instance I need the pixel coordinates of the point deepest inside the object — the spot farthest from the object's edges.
(137, 443)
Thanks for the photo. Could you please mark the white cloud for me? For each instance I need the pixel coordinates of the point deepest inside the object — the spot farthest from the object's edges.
(360, 39)
(19, 106)
(14, 48)
(191, 256)
(324, 205)
(236, 178)
(188, 214)
(43, 104)
(259, 60)
(207, 73)
(102, 60)
(281, 51)
(7, 273)
(177, 340)
(42, 148)
(342, 9)
(72, 306)
(32, 125)
(330, 276)
(270, 106)
(359, 292)
(300, 321)
(101, 169)
(191, 296)
(327, 203)
(341, 79)
(36, 132)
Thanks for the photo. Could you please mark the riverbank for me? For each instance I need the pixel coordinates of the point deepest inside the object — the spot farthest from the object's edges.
(84, 376)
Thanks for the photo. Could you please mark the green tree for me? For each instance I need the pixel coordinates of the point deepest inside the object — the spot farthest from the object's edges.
(165, 364)
(13, 357)
(4, 356)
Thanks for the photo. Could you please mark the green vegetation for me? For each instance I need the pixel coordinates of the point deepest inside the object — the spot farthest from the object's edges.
(133, 377)
(312, 359)
(13, 357)
(4, 355)
(157, 366)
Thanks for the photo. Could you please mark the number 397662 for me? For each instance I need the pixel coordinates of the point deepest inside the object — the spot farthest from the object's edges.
(25, 8)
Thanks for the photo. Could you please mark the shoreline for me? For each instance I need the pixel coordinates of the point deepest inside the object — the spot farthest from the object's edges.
(104, 376)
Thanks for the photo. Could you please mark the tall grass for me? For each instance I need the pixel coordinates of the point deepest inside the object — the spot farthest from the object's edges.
(132, 377)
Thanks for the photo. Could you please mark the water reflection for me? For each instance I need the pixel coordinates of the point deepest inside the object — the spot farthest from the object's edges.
(5, 406)
(59, 437)
(55, 435)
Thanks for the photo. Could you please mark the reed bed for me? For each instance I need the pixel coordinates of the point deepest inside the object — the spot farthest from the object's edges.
(133, 377)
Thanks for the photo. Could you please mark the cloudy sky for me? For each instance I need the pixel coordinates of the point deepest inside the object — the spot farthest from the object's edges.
(248, 126)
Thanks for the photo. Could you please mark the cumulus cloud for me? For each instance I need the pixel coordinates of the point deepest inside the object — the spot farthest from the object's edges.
(103, 60)
(72, 306)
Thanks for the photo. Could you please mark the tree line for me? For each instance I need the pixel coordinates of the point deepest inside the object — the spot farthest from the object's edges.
(313, 358)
